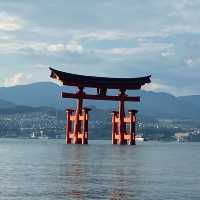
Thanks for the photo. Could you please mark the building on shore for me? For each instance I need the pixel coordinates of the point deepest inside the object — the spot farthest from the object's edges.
(182, 137)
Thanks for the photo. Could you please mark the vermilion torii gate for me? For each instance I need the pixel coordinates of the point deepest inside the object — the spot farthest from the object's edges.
(77, 120)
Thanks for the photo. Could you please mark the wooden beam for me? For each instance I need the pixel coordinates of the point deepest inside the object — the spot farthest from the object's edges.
(102, 83)
(99, 97)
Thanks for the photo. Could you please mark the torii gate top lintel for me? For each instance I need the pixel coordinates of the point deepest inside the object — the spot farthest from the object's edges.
(99, 82)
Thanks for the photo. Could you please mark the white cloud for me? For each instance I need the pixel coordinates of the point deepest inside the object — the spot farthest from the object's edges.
(167, 53)
(192, 62)
(148, 47)
(56, 47)
(10, 23)
(156, 87)
(39, 47)
(103, 35)
(97, 34)
(181, 28)
(73, 47)
(41, 66)
(189, 61)
(17, 79)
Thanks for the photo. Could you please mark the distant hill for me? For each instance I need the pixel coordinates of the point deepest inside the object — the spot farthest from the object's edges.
(26, 109)
(6, 104)
(193, 99)
(158, 105)
(35, 95)
(164, 105)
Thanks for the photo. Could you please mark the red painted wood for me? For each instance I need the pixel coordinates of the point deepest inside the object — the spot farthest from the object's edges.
(77, 124)
(99, 97)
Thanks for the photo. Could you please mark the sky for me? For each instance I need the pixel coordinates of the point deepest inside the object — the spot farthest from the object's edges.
(114, 38)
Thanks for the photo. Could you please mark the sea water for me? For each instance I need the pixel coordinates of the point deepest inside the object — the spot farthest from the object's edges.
(50, 170)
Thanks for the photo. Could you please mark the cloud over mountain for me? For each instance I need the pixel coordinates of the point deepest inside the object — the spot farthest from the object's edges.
(108, 38)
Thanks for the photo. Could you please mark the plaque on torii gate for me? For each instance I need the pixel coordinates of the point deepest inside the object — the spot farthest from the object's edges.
(77, 120)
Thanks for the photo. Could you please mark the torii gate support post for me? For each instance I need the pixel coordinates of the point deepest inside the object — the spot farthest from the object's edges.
(79, 134)
(121, 118)
(85, 125)
(77, 123)
(114, 127)
(69, 113)
(132, 130)
(120, 134)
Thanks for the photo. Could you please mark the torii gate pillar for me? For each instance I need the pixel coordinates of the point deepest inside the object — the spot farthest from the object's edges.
(77, 124)
(120, 134)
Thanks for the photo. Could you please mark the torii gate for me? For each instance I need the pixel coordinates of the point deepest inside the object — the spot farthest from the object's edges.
(77, 120)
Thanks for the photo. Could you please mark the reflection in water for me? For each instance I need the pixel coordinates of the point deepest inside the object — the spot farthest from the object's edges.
(74, 173)
(120, 177)
(118, 187)
(104, 177)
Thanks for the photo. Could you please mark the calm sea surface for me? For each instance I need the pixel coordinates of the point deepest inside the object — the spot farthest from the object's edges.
(49, 169)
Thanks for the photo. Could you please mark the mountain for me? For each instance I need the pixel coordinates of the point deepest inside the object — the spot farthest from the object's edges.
(165, 105)
(35, 95)
(153, 104)
(193, 99)
(6, 104)
(26, 109)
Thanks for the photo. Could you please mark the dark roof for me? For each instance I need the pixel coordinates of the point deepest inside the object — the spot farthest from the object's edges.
(99, 82)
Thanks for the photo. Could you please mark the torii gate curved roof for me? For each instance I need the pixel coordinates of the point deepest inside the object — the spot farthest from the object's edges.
(99, 82)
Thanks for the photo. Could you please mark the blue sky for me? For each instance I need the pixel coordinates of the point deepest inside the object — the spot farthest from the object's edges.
(104, 38)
